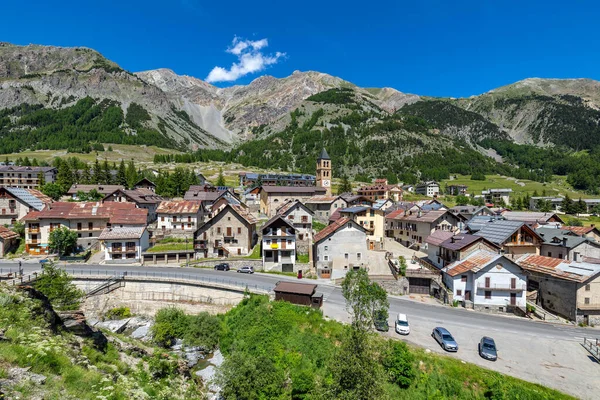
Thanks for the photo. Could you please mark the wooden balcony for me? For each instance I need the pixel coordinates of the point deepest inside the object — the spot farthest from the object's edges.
(34, 230)
(595, 305)
(113, 250)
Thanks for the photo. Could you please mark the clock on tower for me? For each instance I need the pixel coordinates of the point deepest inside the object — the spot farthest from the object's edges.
(324, 172)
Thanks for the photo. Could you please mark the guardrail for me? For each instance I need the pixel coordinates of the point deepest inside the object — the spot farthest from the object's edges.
(593, 347)
(168, 276)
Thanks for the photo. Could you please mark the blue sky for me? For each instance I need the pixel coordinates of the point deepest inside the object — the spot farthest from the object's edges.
(437, 48)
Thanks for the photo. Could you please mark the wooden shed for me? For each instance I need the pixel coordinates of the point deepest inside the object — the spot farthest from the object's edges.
(298, 293)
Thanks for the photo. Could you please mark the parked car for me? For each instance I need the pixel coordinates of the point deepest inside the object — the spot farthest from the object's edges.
(222, 267)
(402, 326)
(487, 349)
(445, 339)
(380, 321)
(246, 269)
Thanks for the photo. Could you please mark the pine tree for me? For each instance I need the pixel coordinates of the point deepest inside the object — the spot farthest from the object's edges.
(345, 186)
(106, 175)
(121, 174)
(64, 177)
(97, 178)
(567, 205)
(221, 178)
(131, 175)
(86, 176)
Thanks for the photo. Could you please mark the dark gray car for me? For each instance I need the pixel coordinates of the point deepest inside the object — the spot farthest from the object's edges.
(487, 349)
(445, 339)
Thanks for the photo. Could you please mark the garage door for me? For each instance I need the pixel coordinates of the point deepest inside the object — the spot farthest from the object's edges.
(418, 285)
(287, 267)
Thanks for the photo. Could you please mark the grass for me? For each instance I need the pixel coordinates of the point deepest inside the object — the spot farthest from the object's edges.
(170, 246)
(318, 226)
(255, 255)
(303, 258)
(16, 252)
(558, 186)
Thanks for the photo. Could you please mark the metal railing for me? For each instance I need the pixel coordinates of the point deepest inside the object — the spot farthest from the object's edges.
(500, 286)
(168, 276)
(593, 346)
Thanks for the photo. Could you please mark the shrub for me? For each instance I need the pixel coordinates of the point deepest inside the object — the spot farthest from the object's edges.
(397, 361)
(530, 309)
(169, 324)
(118, 313)
(455, 303)
(56, 284)
(202, 330)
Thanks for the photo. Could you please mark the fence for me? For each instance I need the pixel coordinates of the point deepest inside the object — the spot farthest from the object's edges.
(169, 276)
(592, 347)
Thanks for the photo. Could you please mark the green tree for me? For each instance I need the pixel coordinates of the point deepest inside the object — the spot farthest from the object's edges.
(121, 174)
(221, 178)
(63, 240)
(53, 190)
(64, 177)
(131, 175)
(363, 298)
(57, 285)
(567, 205)
(203, 330)
(398, 361)
(462, 200)
(19, 227)
(345, 185)
(580, 207)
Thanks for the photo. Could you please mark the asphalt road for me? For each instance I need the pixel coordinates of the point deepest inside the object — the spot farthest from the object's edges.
(549, 354)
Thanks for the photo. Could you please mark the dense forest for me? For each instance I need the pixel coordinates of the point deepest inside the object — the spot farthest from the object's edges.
(76, 127)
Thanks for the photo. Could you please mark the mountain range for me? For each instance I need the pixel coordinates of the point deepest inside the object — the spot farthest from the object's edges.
(55, 96)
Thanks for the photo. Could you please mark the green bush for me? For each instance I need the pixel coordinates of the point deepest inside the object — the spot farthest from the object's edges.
(57, 285)
(195, 330)
(169, 324)
(398, 363)
(118, 313)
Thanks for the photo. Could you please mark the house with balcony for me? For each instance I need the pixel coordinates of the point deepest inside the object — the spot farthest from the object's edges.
(570, 289)
(487, 281)
(380, 190)
(429, 189)
(26, 177)
(15, 203)
(457, 190)
(142, 197)
(497, 196)
(124, 245)
(300, 217)
(179, 215)
(514, 237)
(230, 233)
(324, 206)
(272, 197)
(567, 244)
(445, 247)
(278, 245)
(340, 247)
(411, 228)
(88, 219)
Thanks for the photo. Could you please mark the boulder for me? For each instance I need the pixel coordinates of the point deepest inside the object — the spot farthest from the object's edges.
(75, 322)
(115, 326)
(142, 333)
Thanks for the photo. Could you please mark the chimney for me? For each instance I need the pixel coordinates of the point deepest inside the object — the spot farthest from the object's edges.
(564, 242)
(593, 225)
(419, 214)
(452, 239)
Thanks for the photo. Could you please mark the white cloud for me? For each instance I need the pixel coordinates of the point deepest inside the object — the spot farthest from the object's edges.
(250, 60)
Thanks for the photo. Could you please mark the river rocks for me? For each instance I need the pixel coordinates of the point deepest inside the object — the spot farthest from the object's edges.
(17, 375)
(142, 333)
(115, 326)
(191, 354)
(208, 374)
(75, 322)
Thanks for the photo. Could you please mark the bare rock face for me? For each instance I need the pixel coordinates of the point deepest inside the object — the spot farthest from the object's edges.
(76, 323)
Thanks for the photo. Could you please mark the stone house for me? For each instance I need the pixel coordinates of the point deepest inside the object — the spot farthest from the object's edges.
(104, 190)
(487, 281)
(15, 203)
(278, 245)
(124, 245)
(180, 216)
(142, 197)
(380, 190)
(88, 219)
(412, 228)
(300, 217)
(567, 288)
(230, 233)
(146, 184)
(340, 246)
(8, 240)
(324, 206)
(272, 197)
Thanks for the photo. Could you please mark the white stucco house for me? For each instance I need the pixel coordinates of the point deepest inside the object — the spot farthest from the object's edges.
(124, 245)
(279, 245)
(487, 281)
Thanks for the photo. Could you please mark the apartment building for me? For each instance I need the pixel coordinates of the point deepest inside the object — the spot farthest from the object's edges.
(26, 177)
(142, 197)
(411, 228)
(15, 203)
(183, 215)
(124, 245)
(429, 188)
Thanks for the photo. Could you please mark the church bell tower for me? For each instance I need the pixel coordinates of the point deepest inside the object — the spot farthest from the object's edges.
(324, 171)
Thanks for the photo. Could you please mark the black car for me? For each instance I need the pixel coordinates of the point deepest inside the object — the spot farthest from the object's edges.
(380, 321)
(222, 267)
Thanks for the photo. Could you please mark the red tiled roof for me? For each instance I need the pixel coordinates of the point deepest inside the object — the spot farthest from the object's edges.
(335, 216)
(115, 213)
(474, 262)
(563, 269)
(579, 230)
(178, 207)
(7, 234)
(331, 228)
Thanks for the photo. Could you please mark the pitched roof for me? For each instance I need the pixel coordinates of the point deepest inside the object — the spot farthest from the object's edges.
(178, 207)
(563, 237)
(530, 216)
(295, 288)
(562, 269)
(145, 181)
(335, 216)
(115, 213)
(33, 198)
(139, 196)
(425, 216)
(200, 195)
(322, 199)
(24, 168)
(463, 240)
(102, 189)
(331, 228)
(354, 210)
(7, 234)
(308, 190)
(499, 231)
(290, 204)
(324, 155)
(579, 230)
(122, 233)
(242, 212)
(437, 237)
(275, 218)
(474, 262)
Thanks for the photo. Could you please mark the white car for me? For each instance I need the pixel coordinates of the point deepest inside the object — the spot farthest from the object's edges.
(402, 326)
